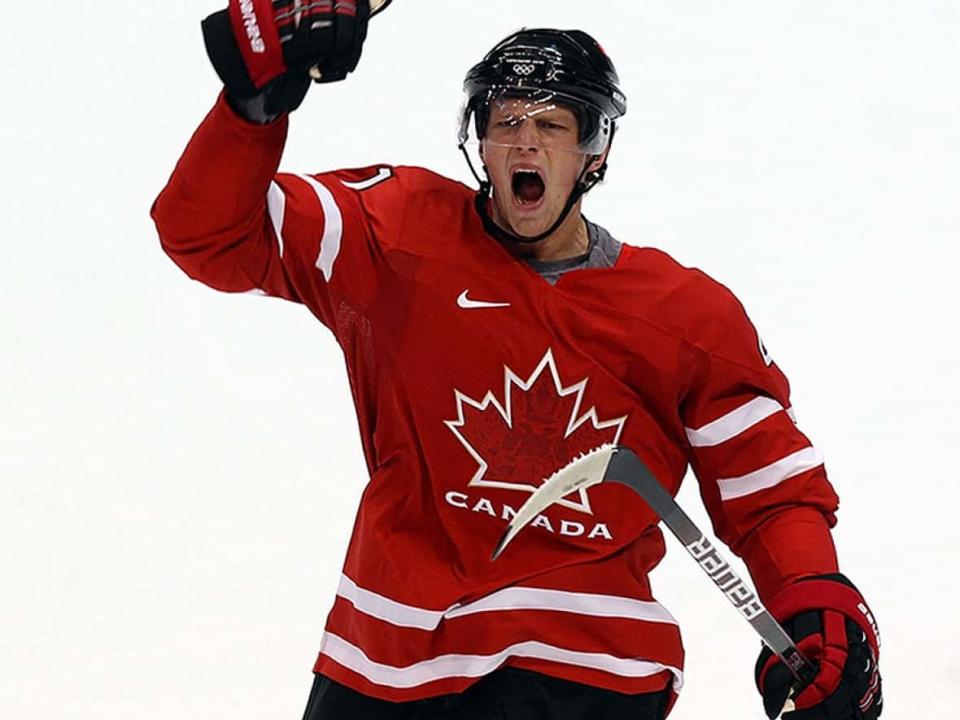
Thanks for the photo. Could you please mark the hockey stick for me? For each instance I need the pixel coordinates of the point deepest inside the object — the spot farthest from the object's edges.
(615, 463)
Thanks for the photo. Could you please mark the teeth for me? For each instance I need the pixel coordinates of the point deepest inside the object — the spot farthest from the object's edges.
(525, 171)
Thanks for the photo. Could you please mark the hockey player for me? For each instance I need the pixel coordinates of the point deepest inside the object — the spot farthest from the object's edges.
(490, 337)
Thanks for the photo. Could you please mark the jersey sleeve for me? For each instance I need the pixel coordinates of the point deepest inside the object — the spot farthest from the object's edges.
(762, 480)
(229, 220)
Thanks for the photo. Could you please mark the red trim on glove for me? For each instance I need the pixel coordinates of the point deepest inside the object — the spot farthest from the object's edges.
(257, 37)
(345, 7)
(825, 595)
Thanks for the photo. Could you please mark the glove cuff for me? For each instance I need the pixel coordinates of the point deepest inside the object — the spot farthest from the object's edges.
(225, 55)
(243, 69)
(833, 592)
(257, 38)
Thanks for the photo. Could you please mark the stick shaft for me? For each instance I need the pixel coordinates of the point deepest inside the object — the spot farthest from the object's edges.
(626, 468)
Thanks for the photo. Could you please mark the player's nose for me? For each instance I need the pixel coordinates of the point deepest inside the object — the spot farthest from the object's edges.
(528, 136)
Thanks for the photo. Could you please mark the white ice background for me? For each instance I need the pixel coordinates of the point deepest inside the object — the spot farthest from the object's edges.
(179, 468)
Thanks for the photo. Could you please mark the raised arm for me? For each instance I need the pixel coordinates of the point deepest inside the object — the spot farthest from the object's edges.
(225, 217)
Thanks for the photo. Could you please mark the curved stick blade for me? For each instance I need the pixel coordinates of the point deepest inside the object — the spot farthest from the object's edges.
(582, 472)
(378, 5)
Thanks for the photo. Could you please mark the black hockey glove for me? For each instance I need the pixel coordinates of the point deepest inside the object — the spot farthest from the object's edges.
(267, 51)
(830, 622)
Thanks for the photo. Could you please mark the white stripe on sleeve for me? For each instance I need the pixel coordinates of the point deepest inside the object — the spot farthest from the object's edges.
(734, 422)
(332, 227)
(276, 207)
(456, 665)
(771, 475)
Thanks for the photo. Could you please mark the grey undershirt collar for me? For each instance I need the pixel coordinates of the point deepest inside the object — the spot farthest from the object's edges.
(602, 252)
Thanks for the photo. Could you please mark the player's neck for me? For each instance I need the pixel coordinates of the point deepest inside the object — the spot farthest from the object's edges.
(569, 240)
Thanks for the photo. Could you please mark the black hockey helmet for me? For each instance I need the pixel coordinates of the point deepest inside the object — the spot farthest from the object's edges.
(564, 66)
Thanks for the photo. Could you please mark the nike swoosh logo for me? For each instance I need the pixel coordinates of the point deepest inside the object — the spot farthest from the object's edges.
(468, 304)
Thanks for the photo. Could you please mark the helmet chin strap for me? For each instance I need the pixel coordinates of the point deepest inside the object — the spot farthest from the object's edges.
(584, 184)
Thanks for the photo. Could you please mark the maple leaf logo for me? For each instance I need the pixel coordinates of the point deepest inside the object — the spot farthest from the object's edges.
(538, 427)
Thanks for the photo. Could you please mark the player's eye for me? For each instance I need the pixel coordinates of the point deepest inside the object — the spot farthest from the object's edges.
(552, 125)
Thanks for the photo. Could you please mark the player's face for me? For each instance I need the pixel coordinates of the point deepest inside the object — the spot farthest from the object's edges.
(533, 159)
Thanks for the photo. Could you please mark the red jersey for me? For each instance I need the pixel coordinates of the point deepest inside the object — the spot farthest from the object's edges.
(474, 379)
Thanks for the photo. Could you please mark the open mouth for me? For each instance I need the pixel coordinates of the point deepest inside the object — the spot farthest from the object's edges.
(528, 187)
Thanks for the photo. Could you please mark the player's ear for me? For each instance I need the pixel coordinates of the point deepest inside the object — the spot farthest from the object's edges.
(596, 162)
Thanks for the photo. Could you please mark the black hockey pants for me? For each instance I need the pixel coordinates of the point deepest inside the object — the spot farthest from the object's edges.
(506, 694)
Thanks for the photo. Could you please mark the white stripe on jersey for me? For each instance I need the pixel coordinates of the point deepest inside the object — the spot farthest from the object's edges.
(383, 608)
(771, 475)
(519, 598)
(734, 422)
(276, 208)
(609, 606)
(455, 665)
(332, 227)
